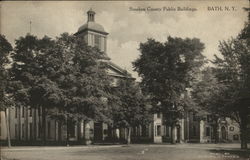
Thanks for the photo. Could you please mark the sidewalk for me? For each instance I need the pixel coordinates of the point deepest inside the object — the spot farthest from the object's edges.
(230, 146)
(17, 148)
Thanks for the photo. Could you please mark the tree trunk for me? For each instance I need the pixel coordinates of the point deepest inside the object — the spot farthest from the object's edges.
(129, 135)
(243, 131)
(44, 125)
(7, 127)
(216, 134)
(35, 126)
(173, 134)
(67, 131)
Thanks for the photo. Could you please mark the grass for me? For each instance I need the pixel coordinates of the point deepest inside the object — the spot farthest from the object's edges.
(131, 152)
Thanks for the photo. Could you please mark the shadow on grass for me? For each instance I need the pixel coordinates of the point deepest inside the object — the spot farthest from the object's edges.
(232, 153)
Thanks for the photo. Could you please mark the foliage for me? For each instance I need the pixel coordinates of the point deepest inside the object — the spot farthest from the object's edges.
(168, 69)
(27, 66)
(224, 90)
(206, 94)
(132, 108)
(82, 79)
(233, 70)
(5, 50)
(64, 75)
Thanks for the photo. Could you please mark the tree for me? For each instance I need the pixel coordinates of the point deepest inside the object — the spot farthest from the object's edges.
(81, 79)
(5, 50)
(131, 109)
(64, 77)
(233, 71)
(167, 69)
(29, 79)
(207, 96)
(28, 72)
(5, 100)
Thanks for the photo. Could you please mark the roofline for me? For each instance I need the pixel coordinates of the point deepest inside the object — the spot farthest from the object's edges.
(87, 29)
(116, 67)
(127, 77)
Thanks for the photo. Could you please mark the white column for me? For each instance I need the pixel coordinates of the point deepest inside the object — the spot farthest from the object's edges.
(201, 131)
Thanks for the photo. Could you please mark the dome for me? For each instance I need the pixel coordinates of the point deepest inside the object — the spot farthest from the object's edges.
(93, 26)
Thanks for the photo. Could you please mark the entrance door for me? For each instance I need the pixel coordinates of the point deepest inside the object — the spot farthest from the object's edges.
(223, 133)
(98, 133)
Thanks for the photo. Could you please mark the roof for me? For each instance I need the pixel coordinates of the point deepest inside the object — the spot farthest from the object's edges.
(92, 26)
(120, 72)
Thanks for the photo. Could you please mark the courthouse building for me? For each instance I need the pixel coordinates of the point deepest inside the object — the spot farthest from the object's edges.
(26, 123)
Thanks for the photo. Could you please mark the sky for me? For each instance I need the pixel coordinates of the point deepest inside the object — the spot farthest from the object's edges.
(127, 28)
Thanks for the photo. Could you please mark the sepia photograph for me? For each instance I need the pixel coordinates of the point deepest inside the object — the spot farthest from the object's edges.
(125, 80)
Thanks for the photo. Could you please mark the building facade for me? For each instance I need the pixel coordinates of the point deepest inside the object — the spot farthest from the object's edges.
(203, 129)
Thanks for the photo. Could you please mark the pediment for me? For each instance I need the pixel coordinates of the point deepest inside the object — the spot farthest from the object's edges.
(116, 71)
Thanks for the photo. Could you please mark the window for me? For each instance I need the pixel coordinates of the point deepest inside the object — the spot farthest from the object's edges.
(138, 131)
(72, 131)
(194, 117)
(72, 128)
(207, 131)
(145, 130)
(23, 131)
(155, 130)
(49, 135)
(105, 131)
(158, 129)
(16, 131)
(59, 130)
(212, 133)
(39, 129)
(236, 137)
(133, 131)
(167, 131)
(39, 111)
(97, 41)
(31, 131)
(22, 111)
(16, 110)
(30, 112)
(158, 115)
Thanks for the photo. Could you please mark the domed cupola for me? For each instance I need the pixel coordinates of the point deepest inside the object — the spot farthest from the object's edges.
(93, 33)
